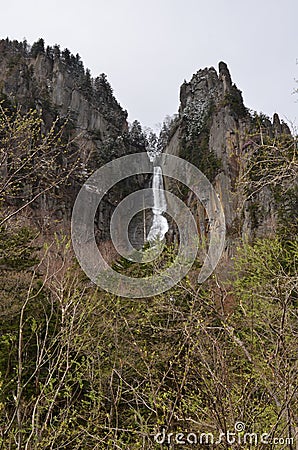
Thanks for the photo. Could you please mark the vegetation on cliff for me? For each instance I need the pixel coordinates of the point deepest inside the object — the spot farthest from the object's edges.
(83, 369)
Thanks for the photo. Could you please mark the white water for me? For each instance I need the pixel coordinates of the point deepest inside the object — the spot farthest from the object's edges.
(159, 225)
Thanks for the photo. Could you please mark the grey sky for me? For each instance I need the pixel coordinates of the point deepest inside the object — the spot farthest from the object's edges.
(147, 48)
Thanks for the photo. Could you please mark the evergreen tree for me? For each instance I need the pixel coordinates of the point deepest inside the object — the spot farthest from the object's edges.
(152, 142)
(57, 51)
(25, 46)
(103, 87)
(37, 47)
(66, 55)
(79, 65)
(136, 134)
(49, 52)
(87, 84)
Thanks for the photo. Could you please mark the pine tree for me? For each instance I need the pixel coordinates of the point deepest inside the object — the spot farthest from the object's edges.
(136, 134)
(37, 47)
(86, 85)
(57, 51)
(66, 55)
(103, 87)
(49, 52)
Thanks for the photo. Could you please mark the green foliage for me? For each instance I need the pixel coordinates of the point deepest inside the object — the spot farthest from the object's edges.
(266, 265)
(5, 101)
(16, 248)
(270, 165)
(233, 99)
(266, 286)
(37, 47)
(136, 135)
(35, 162)
(84, 369)
(112, 371)
(287, 199)
(259, 120)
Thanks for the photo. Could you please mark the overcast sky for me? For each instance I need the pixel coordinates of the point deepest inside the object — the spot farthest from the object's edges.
(148, 47)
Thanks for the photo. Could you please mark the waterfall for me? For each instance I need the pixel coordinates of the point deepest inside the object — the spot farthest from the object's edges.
(159, 225)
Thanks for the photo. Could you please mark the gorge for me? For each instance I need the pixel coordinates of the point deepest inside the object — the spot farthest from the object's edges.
(83, 368)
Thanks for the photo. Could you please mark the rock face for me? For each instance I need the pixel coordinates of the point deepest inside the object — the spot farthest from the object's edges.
(213, 130)
(55, 80)
(56, 84)
(216, 132)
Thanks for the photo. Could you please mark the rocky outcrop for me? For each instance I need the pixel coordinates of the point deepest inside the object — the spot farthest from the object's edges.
(57, 85)
(216, 132)
(213, 130)
(48, 80)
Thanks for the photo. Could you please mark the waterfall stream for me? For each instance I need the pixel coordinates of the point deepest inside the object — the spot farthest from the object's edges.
(159, 225)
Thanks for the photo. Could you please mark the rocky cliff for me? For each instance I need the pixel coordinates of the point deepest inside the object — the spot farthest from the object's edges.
(56, 84)
(213, 130)
(217, 133)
